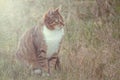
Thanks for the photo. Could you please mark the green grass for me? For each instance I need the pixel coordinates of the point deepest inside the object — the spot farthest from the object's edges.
(90, 50)
(82, 58)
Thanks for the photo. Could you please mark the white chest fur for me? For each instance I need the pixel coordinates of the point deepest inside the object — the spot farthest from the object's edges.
(52, 39)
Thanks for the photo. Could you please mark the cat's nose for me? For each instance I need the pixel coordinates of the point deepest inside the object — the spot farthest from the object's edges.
(62, 24)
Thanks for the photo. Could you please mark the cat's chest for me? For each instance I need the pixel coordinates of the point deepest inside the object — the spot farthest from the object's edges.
(52, 39)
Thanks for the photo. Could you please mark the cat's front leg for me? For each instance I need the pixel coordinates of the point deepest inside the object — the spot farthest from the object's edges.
(43, 62)
(54, 63)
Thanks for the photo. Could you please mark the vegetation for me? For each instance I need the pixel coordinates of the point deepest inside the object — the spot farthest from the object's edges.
(91, 46)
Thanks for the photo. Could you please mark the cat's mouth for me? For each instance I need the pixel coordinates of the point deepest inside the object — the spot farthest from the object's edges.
(58, 27)
(62, 24)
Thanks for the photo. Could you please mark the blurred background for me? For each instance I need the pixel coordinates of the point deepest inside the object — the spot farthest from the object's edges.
(91, 46)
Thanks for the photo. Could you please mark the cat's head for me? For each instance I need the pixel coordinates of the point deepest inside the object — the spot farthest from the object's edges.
(53, 19)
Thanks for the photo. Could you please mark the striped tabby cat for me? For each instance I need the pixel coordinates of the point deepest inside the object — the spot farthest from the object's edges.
(39, 47)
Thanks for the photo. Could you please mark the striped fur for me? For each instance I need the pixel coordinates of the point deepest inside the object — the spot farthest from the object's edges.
(32, 48)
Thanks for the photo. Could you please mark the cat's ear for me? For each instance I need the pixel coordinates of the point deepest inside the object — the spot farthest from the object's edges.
(50, 12)
(58, 9)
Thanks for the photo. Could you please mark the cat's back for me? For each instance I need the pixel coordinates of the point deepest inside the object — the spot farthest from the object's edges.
(26, 48)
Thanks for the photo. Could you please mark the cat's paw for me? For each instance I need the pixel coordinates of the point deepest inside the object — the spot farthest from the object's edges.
(40, 72)
(37, 71)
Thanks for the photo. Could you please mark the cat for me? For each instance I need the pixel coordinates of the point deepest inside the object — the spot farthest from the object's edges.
(39, 47)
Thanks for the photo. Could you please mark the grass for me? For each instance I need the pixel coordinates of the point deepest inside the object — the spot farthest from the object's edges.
(88, 58)
(90, 50)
